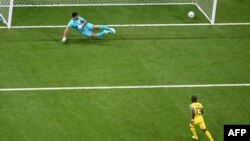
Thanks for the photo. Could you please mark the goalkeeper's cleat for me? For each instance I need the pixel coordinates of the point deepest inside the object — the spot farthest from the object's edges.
(106, 31)
(112, 30)
(195, 138)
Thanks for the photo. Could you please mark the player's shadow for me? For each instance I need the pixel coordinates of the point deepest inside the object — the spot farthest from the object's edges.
(87, 41)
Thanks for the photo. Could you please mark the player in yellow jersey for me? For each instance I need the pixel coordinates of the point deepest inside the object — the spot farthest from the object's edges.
(197, 119)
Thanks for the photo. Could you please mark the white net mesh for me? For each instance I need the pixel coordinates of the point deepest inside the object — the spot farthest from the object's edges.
(4, 10)
(206, 6)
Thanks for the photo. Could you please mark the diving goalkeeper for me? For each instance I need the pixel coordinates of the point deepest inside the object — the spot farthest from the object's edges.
(85, 28)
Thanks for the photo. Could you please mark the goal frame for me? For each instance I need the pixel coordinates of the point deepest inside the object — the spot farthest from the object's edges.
(8, 21)
(211, 20)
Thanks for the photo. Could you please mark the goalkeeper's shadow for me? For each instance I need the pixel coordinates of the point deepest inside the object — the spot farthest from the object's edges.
(94, 41)
(87, 41)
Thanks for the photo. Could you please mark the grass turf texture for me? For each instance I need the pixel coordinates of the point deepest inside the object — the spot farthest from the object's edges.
(213, 55)
(127, 115)
(134, 56)
(147, 56)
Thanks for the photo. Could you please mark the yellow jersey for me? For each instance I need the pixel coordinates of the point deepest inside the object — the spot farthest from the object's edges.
(198, 118)
(197, 107)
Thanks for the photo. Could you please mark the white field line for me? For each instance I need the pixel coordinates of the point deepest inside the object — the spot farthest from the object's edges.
(139, 25)
(124, 87)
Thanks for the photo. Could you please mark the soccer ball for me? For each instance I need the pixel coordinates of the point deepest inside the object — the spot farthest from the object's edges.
(191, 14)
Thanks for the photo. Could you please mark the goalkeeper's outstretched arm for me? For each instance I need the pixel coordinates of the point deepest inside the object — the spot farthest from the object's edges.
(65, 34)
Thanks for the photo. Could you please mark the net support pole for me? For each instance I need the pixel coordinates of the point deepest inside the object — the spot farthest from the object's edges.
(214, 12)
(10, 13)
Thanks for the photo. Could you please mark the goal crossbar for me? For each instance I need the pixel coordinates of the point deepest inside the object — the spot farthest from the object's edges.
(103, 4)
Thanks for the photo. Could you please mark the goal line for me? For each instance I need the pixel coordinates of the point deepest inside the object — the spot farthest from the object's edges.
(139, 25)
(124, 87)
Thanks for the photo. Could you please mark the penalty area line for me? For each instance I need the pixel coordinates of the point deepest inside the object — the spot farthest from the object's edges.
(124, 87)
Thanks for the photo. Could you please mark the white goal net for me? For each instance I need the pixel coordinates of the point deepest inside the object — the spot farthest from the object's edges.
(6, 8)
(207, 7)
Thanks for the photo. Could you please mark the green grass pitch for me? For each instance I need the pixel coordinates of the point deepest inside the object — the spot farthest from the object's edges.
(133, 56)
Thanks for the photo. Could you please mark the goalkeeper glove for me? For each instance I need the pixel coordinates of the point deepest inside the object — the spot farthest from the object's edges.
(80, 26)
(64, 39)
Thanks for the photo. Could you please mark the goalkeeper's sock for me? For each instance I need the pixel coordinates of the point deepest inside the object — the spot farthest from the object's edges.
(100, 34)
(103, 27)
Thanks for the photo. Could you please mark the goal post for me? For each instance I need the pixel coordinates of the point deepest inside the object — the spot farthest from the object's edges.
(207, 7)
(6, 10)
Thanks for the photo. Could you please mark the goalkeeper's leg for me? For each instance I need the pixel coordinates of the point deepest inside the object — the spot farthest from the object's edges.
(100, 34)
(88, 30)
(104, 27)
(105, 30)
(89, 33)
